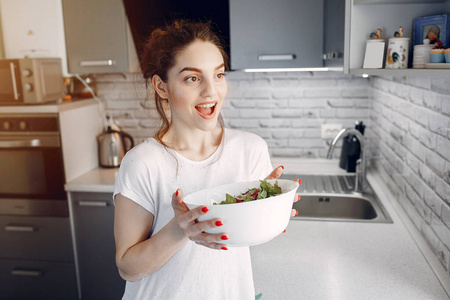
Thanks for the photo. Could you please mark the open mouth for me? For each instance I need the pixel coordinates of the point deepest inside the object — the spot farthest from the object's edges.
(206, 110)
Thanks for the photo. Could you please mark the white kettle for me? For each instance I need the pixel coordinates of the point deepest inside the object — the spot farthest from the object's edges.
(112, 147)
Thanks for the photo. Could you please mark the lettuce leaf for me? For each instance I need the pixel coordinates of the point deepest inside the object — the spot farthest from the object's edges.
(265, 190)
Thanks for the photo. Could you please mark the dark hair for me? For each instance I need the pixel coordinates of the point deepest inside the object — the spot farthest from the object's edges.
(159, 52)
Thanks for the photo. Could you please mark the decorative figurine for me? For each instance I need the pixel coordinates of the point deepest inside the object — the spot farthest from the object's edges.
(376, 35)
(399, 33)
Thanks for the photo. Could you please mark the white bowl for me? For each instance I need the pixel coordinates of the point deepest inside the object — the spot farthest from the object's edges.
(247, 223)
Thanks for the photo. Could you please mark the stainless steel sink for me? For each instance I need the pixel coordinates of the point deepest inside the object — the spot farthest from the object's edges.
(332, 198)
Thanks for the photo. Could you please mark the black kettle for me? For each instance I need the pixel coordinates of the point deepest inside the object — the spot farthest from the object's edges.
(112, 147)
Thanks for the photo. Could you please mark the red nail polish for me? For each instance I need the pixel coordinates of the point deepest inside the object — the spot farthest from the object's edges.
(284, 231)
(296, 212)
(219, 223)
(224, 237)
(298, 197)
(224, 248)
(176, 194)
(205, 209)
(282, 167)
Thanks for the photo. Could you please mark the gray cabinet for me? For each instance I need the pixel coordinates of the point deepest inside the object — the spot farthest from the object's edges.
(93, 221)
(36, 258)
(96, 36)
(276, 34)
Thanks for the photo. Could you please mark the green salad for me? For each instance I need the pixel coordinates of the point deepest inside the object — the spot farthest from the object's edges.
(265, 190)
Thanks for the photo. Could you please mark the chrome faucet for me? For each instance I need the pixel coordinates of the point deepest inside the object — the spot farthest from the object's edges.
(360, 164)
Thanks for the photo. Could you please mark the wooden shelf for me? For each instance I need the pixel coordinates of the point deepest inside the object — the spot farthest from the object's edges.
(402, 72)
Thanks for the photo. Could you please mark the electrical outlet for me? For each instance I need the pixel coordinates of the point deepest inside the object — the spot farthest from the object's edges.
(329, 131)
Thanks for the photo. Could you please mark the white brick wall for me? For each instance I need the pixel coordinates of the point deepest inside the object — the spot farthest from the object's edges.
(410, 119)
(408, 126)
(286, 109)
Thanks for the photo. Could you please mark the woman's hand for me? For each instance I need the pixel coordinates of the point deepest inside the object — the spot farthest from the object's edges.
(275, 174)
(194, 230)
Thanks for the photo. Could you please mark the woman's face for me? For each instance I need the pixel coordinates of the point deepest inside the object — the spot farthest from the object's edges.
(196, 87)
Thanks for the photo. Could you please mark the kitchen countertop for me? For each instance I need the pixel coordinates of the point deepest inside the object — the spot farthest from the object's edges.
(345, 260)
(102, 179)
(332, 260)
(98, 180)
(51, 107)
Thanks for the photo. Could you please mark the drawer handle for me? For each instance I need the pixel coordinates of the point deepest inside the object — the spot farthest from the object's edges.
(20, 143)
(97, 63)
(20, 228)
(27, 273)
(93, 203)
(276, 57)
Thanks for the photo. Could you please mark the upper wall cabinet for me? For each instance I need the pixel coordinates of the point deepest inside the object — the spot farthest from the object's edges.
(276, 34)
(364, 16)
(33, 28)
(96, 36)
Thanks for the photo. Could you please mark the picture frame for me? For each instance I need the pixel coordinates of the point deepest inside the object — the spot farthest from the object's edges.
(437, 26)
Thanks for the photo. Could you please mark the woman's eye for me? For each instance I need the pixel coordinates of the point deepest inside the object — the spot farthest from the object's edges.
(192, 79)
(221, 75)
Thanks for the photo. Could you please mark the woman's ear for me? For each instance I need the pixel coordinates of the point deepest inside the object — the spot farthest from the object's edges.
(160, 87)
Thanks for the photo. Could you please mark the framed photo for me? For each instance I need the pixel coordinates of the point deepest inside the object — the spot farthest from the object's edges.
(435, 28)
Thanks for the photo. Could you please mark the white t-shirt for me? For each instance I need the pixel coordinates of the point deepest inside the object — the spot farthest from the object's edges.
(150, 173)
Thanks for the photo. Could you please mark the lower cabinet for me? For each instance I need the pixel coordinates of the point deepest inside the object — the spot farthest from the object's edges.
(36, 258)
(93, 219)
(27, 279)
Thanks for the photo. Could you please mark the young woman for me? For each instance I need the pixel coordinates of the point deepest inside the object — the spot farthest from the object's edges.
(161, 251)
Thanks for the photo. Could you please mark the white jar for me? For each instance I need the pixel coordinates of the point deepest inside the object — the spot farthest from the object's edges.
(397, 53)
(421, 56)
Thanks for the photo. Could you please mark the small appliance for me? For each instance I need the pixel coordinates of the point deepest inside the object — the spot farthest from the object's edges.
(112, 147)
(30, 81)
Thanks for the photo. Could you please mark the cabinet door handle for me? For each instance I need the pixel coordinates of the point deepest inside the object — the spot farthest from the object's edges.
(93, 203)
(332, 55)
(27, 273)
(97, 63)
(20, 228)
(276, 57)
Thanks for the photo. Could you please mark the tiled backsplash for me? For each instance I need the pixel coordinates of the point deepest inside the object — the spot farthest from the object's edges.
(286, 109)
(408, 128)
